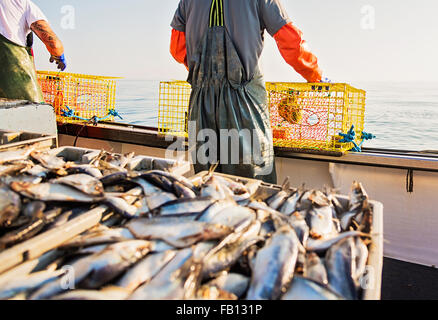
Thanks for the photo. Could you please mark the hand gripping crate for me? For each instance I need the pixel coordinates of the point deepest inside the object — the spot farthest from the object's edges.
(79, 98)
(314, 116)
(304, 116)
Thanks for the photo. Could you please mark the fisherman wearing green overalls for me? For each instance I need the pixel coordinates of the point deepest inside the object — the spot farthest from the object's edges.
(18, 79)
(220, 42)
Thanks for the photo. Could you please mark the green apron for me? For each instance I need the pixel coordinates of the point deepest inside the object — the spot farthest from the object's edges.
(18, 79)
(223, 99)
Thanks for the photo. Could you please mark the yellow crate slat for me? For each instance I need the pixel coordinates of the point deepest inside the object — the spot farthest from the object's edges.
(303, 115)
(87, 95)
(173, 107)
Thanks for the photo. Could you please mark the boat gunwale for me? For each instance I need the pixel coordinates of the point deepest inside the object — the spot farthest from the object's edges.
(149, 137)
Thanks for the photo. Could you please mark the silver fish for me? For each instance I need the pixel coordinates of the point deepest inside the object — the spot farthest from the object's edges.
(28, 282)
(339, 209)
(238, 191)
(52, 192)
(145, 270)
(215, 208)
(305, 289)
(38, 171)
(361, 257)
(358, 196)
(207, 292)
(300, 226)
(185, 206)
(92, 249)
(212, 188)
(11, 169)
(236, 187)
(108, 293)
(157, 200)
(290, 205)
(357, 204)
(168, 284)
(183, 192)
(319, 199)
(48, 161)
(230, 216)
(171, 178)
(31, 266)
(154, 196)
(15, 155)
(158, 246)
(322, 245)
(320, 221)
(366, 220)
(277, 200)
(82, 182)
(29, 230)
(148, 188)
(99, 269)
(8, 180)
(122, 207)
(10, 206)
(175, 232)
(227, 256)
(86, 169)
(341, 268)
(68, 216)
(91, 157)
(315, 269)
(108, 169)
(267, 229)
(99, 235)
(234, 283)
(34, 209)
(275, 265)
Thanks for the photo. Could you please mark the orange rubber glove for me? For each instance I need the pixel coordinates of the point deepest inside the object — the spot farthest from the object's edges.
(178, 47)
(295, 52)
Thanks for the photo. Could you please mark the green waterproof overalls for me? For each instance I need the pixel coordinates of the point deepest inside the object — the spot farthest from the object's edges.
(233, 107)
(18, 79)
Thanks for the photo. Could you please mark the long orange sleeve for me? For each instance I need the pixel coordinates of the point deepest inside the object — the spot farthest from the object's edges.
(295, 52)
(178, 47)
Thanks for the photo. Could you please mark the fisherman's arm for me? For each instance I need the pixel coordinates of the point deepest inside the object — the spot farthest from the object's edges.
(289, 39)
(295, 52)
(55, 47)
(178, 47)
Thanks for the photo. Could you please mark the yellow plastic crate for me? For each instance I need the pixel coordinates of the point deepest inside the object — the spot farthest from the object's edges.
(312, 115)
(77, 97)
(173, 109)
(303, 115)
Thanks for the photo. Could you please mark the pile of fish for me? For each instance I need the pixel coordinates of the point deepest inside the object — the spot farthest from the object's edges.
(213, 237)
(39, 190)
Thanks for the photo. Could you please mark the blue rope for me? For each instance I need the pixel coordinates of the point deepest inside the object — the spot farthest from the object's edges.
(350, 137)
(70, 113)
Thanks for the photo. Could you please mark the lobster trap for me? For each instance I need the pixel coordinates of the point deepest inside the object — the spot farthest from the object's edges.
(328, 117)
(173, 109)
(79, 98)
(304, 116)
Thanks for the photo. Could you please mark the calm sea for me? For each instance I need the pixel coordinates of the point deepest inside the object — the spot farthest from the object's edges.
(403, 116)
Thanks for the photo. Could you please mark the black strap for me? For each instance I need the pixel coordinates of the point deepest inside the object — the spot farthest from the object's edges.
(217, 13)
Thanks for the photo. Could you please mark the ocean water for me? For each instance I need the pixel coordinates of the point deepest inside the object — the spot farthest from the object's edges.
(403, 116)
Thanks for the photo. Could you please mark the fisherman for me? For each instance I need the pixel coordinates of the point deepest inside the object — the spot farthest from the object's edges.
(18, 79)
(220, 42)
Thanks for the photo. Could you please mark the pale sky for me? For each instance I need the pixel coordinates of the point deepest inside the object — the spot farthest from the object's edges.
(130, 39)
